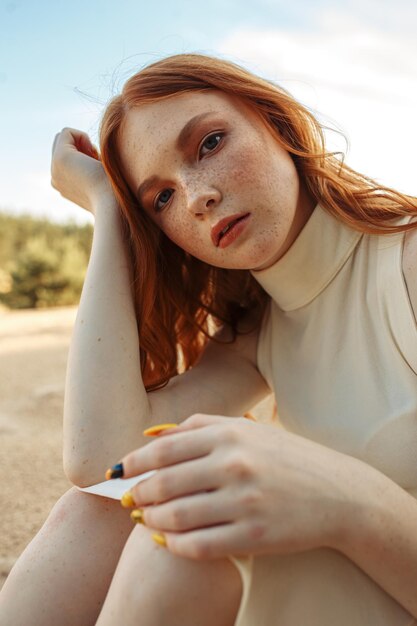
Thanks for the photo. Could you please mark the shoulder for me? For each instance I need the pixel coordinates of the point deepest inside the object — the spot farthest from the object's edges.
(409, 265)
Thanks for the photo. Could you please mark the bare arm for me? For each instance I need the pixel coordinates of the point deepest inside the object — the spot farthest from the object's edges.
(378, 532)
(106, 406)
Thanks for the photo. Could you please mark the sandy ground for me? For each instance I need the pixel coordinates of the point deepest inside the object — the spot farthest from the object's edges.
(33, 355)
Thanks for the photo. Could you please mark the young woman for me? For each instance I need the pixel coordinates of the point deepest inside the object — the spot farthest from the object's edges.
(232, 256)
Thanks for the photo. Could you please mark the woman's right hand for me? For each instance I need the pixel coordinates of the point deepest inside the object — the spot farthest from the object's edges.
(76, 170)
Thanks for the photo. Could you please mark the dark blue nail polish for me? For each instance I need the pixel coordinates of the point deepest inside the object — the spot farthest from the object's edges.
(115, 472)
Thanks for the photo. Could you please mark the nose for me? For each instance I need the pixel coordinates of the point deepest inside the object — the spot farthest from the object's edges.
(202, 198)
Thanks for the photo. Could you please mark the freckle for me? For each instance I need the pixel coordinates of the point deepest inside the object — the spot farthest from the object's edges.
(99, 339)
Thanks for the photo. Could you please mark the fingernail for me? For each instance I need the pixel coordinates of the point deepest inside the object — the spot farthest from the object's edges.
(157, 429)
(137, 516)
(159, 538)
(115, 472)
(127, 500)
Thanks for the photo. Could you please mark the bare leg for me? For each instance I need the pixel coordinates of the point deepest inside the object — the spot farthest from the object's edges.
(153, 587)
(63, 575)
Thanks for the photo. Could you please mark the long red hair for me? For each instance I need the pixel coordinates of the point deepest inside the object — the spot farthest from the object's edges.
(177, 297)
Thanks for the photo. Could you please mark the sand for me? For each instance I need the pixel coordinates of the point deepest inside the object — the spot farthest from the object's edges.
(33, 355)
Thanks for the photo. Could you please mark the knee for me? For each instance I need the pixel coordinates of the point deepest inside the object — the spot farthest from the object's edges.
(178, 585)
(76, 506)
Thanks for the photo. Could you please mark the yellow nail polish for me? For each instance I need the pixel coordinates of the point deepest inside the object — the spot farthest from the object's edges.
(137, 516)
(152, 431)
(127, 500)
(159, 538)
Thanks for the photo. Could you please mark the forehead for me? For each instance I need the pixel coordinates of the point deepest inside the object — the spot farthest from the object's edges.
(176, 110)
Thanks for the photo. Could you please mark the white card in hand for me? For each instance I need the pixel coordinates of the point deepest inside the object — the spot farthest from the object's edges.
(116, 487)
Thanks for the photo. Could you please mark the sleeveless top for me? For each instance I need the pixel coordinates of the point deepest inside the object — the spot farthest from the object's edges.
(338, 346)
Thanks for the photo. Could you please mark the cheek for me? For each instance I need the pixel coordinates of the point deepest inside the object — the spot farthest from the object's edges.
(244, 166)
(245, 172)
(261, 173)
(184, 233)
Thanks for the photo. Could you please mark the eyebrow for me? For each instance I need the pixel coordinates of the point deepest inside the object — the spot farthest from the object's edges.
(180, 144)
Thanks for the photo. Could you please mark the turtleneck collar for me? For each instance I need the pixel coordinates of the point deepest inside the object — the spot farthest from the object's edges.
(315, 257)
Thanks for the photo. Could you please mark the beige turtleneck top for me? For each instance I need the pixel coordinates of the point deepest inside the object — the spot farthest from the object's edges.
(338, 345)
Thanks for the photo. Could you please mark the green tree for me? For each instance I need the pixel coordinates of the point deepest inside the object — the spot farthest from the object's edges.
(42, 263)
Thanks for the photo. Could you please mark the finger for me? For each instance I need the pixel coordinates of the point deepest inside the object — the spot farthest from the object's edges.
(74, 139)
(176, 481)
(213, 542)
(194, 512)
(95, 153)
(63, 142)
(166, 451)
(83, 144)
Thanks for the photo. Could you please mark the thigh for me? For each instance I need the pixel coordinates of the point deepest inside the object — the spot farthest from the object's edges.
(153, 587)
(66, 569)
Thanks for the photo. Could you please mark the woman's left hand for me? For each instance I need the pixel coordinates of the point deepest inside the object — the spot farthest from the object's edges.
(230, 486)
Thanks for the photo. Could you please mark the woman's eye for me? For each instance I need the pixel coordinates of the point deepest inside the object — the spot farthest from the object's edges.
(162, 197)
(212, 141)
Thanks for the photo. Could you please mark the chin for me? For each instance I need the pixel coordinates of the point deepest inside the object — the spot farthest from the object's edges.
(245, 257)
(262, 255)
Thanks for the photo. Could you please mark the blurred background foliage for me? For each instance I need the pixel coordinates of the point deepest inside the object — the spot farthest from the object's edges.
(42, 263)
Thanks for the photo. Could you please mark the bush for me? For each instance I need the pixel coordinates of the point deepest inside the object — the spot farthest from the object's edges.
(42, 264)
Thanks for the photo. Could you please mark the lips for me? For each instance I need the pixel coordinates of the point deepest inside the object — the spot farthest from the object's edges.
(216, 231)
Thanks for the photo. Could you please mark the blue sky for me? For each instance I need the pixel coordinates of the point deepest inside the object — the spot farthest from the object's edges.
(353, 62)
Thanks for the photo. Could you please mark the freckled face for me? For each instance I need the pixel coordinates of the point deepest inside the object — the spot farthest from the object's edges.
(228, 163)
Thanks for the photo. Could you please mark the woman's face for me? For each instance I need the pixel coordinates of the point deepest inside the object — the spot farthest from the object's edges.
(225, 163)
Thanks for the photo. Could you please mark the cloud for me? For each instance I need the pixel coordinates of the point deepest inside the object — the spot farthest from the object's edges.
(339, 53)
(384, 16)
(355, 74)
